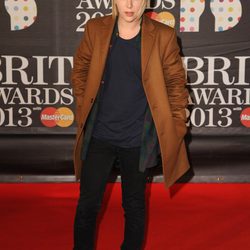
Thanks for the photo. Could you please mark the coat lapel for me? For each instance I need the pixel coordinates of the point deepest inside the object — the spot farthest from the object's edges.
(102, 42)
(147, 41)
(105, 37)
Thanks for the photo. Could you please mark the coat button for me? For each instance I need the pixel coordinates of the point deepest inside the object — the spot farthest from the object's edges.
(92, 99)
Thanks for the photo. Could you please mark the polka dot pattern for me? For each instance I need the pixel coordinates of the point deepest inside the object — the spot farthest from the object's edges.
(227, 14)
(22, 13)
(190, 13)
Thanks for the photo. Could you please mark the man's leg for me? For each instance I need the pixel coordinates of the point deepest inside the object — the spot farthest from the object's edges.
(133, 198)
(94, 175)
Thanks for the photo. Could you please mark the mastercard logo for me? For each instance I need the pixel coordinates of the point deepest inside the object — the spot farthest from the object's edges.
(164, 17)
(62, 117)
(245, 117)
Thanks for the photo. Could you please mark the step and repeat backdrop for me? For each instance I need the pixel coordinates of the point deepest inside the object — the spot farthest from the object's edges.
(38, 39)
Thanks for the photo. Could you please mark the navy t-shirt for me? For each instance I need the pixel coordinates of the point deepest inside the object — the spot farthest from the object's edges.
(123, 102)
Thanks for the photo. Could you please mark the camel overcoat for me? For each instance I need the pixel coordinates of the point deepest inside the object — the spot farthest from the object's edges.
(163, 79)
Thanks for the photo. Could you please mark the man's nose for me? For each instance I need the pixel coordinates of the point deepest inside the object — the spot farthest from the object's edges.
(129, 4)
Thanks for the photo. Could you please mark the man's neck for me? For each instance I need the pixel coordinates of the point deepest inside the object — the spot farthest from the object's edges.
(128, 30)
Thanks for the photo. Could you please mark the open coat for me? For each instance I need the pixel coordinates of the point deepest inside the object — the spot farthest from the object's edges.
(163, 79)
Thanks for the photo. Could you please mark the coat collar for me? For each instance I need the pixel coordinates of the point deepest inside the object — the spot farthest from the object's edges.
(147, 39)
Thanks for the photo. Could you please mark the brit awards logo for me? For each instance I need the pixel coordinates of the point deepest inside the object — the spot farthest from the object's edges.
(22, 13)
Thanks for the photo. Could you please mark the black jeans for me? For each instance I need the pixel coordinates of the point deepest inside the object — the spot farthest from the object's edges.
(96, 169)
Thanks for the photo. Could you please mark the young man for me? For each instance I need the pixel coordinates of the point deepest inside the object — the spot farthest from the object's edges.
(129, 86)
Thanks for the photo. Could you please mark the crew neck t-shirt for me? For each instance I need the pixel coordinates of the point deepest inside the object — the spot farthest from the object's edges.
(123, 102)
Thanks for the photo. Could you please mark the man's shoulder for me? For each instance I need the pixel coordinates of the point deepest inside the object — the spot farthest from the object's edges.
(161, 27)
(98, 20)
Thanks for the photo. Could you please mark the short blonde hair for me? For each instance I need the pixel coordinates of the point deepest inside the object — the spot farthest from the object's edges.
(115, 10)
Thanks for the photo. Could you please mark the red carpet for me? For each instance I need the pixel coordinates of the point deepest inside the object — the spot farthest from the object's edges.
(186, 217)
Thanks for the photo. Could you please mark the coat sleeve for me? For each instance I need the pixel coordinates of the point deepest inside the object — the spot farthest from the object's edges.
(81, 63)
(175, 80)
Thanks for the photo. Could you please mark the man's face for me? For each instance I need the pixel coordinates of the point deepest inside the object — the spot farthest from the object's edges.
(129, 9)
